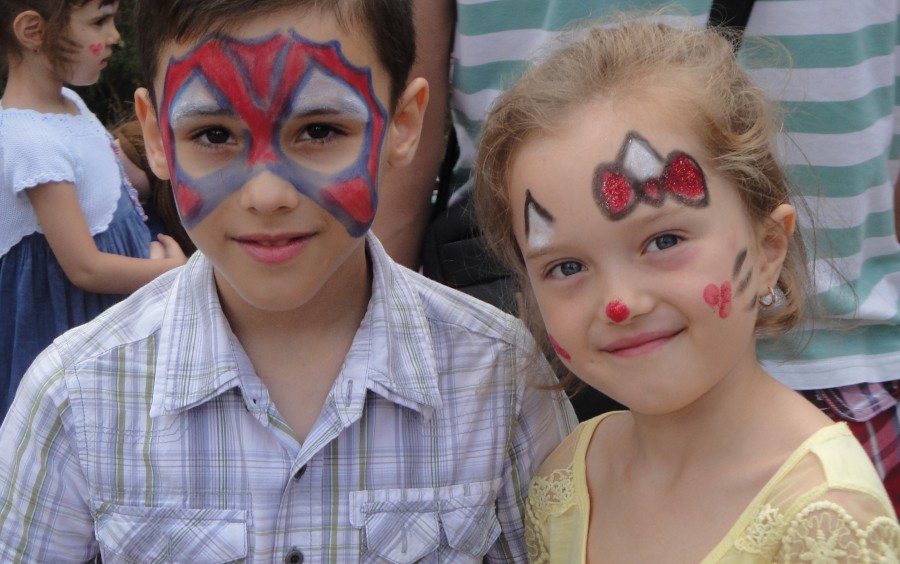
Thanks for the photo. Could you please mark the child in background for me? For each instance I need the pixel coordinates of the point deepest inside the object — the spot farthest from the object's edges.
(72, 241)
(155, 194)
(290, 394)
(629, 180)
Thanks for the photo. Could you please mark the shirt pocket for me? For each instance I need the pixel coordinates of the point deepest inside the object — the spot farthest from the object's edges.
(155, 534)
(405, 525)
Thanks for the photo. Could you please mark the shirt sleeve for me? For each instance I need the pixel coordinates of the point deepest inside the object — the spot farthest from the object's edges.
(35, 154)
(44, 503)
(545, 417)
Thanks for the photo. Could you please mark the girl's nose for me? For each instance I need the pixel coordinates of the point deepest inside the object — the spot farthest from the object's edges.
(617, 311)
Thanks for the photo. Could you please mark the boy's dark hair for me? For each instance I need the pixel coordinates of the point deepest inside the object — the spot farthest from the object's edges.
(56, 13)
(388, 23)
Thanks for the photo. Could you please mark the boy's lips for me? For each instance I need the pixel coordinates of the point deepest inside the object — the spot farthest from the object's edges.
(274, 249)
(640, 344)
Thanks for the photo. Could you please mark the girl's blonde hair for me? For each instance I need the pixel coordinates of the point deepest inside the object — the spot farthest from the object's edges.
(695, 70)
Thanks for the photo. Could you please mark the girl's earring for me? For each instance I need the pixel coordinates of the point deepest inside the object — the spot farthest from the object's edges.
(768, 299)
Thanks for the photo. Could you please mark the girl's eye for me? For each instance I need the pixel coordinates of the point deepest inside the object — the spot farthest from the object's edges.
(214, 136)
(566, 269)
(663, 242)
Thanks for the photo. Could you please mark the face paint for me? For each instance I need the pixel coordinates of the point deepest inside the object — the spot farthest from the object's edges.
(563, 354)
(96, 49)
(719, 298)
(264, 83)
(538, 223)
(617, 311)
(639, 174)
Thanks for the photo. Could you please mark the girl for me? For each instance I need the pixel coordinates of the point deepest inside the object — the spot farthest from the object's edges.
(72, 240)
(630, 182)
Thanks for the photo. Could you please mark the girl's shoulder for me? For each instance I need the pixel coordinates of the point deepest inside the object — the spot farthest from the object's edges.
(573, 448)
(827, 497)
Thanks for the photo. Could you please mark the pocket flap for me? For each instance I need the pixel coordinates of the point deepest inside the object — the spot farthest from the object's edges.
(159, 534)
(404, 525)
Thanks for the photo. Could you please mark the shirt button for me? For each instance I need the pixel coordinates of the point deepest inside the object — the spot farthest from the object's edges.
(295, 556)
(300, 473)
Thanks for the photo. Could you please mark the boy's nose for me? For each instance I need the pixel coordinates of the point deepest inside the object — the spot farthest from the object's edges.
(268, 193)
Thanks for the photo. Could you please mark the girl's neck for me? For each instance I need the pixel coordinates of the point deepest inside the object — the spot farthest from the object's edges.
(33, 85)
(733, 419)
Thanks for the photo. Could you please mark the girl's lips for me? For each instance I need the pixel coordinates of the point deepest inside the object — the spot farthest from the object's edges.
(640, 344)
(273, 249)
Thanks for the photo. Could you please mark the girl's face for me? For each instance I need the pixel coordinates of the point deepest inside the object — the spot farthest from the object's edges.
(92, 28)
(643, 261)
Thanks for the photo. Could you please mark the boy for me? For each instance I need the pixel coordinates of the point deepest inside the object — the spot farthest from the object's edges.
(290, 394)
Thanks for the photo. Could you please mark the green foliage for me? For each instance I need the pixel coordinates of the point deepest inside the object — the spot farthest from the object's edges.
(112, 97)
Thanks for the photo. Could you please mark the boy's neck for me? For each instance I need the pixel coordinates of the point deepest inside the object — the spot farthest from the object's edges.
(299, 354)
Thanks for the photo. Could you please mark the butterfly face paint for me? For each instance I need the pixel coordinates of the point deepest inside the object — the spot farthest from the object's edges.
(720, 296)
(538, 223)
(639, 174)
(263, 84)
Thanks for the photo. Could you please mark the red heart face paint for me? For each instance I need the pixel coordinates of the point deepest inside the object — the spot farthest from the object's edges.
(639, 174)
(563, 354)
(263, 84)
(617, 311)
(96, 49)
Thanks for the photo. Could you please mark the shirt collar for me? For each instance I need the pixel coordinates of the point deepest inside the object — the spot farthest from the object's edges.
(393, 348)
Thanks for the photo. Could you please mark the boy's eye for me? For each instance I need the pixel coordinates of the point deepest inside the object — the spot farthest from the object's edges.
(565, 269)
(318, 132)
(214, 136)
(663, 242)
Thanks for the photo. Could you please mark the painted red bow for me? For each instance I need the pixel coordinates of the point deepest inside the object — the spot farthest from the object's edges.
(682, 177)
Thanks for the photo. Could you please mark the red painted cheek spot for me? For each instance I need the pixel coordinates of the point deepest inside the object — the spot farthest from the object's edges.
(189, 202)
(719, 298)
(354, 197)
(563, 354)
(725, 306)
(617, 311)
(711, 295)
(96, 49)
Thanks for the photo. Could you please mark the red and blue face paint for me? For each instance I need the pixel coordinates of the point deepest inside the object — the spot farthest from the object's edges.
(264, 83)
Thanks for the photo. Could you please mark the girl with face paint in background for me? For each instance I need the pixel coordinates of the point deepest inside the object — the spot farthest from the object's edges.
(629, 181)
(72, 237)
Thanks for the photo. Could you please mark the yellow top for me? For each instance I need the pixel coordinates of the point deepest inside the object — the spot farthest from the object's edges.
(825, 504)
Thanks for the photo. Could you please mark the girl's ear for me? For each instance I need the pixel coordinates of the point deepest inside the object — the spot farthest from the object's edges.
(153, 143)
(28, 28)
(774, 241)
(406, 123)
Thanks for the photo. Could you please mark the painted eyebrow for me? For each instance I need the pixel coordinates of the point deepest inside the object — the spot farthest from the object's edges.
(343, 105)
(193, 110)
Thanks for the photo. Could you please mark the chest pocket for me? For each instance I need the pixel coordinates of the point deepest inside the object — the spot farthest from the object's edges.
(154, 534)
(406, 525)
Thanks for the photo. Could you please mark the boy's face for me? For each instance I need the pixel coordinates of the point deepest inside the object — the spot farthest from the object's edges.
(273, 136)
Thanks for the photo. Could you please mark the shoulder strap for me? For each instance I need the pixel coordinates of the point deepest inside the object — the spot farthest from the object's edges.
(732, 14)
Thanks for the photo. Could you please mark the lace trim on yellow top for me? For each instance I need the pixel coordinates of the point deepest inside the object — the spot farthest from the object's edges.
(826, 504)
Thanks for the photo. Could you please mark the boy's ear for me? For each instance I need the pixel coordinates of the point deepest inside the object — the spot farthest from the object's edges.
(774, 241)
(28, 28)
(406, 123)
(153, 143)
